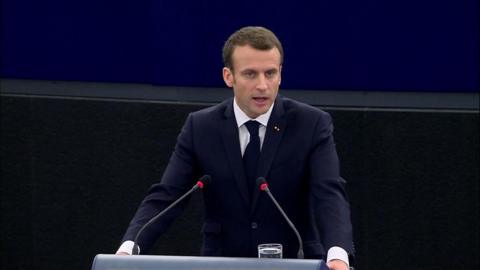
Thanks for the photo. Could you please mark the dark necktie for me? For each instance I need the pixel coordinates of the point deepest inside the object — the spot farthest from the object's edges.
(251, 155)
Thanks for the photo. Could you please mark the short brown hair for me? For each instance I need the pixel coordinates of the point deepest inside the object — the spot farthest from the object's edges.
(258, 37)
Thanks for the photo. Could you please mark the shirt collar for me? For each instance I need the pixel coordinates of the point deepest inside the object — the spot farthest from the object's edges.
(242, 118)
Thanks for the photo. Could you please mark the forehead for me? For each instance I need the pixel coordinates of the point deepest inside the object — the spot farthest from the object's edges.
(249, 57)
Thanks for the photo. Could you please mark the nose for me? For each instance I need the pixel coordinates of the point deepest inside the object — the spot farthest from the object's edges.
(262, 83)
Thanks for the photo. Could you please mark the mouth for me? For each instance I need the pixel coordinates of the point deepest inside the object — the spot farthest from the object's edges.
(260, 100)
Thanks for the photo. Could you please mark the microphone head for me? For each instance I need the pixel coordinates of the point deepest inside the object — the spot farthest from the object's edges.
(262, 183)
(204, 180)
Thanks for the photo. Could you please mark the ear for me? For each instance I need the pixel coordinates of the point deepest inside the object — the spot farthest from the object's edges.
(228, 77)
(280, 74)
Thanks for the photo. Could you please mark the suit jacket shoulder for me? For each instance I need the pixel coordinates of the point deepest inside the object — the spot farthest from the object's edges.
(214, 112)
(303, 116)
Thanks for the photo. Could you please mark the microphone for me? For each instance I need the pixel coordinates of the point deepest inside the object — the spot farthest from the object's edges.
(262, 184)
(204, 180)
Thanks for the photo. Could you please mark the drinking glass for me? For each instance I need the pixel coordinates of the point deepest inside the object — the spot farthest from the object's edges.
(270, 251)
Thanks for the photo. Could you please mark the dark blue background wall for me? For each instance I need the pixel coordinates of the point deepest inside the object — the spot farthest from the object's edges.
(361, 45)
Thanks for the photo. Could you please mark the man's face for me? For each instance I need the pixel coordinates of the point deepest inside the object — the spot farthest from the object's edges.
(255, 78)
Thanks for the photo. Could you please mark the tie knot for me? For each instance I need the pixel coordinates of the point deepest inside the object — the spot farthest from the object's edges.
(252, 127)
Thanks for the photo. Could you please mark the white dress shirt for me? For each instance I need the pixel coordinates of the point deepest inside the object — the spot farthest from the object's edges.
(244, 137)
(242, 118)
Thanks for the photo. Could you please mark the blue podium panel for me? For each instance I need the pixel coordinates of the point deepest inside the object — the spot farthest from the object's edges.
(148, 262)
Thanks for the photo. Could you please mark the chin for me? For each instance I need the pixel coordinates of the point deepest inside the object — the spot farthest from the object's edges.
(262, 112)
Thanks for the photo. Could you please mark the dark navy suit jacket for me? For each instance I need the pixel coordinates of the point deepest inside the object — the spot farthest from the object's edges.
(298, 160)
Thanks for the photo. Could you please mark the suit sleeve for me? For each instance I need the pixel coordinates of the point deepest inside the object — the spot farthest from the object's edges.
(177, 179)
(329, 201)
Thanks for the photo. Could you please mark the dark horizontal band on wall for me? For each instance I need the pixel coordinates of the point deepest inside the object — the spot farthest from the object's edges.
(323, 98)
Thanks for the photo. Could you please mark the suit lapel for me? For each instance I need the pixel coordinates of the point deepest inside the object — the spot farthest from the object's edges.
(232, 148)
(273, 136)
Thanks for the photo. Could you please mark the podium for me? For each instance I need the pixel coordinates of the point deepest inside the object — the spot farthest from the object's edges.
(149, 262)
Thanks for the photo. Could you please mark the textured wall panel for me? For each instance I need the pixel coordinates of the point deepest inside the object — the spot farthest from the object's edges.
(74, 171)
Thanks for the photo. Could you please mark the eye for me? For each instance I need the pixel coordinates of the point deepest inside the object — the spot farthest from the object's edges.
(271, 73)
(249, 74)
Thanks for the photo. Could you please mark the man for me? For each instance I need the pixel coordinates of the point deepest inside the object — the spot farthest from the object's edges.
(288, 143)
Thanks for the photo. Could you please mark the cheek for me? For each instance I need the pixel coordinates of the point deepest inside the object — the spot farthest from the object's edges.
(241, 92)
(274, 84)
(244, 88)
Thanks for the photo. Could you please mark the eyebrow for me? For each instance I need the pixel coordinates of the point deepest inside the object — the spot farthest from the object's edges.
(272, 69)
(248, 70)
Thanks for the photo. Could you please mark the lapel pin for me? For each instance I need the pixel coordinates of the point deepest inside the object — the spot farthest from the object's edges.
(276, 128)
